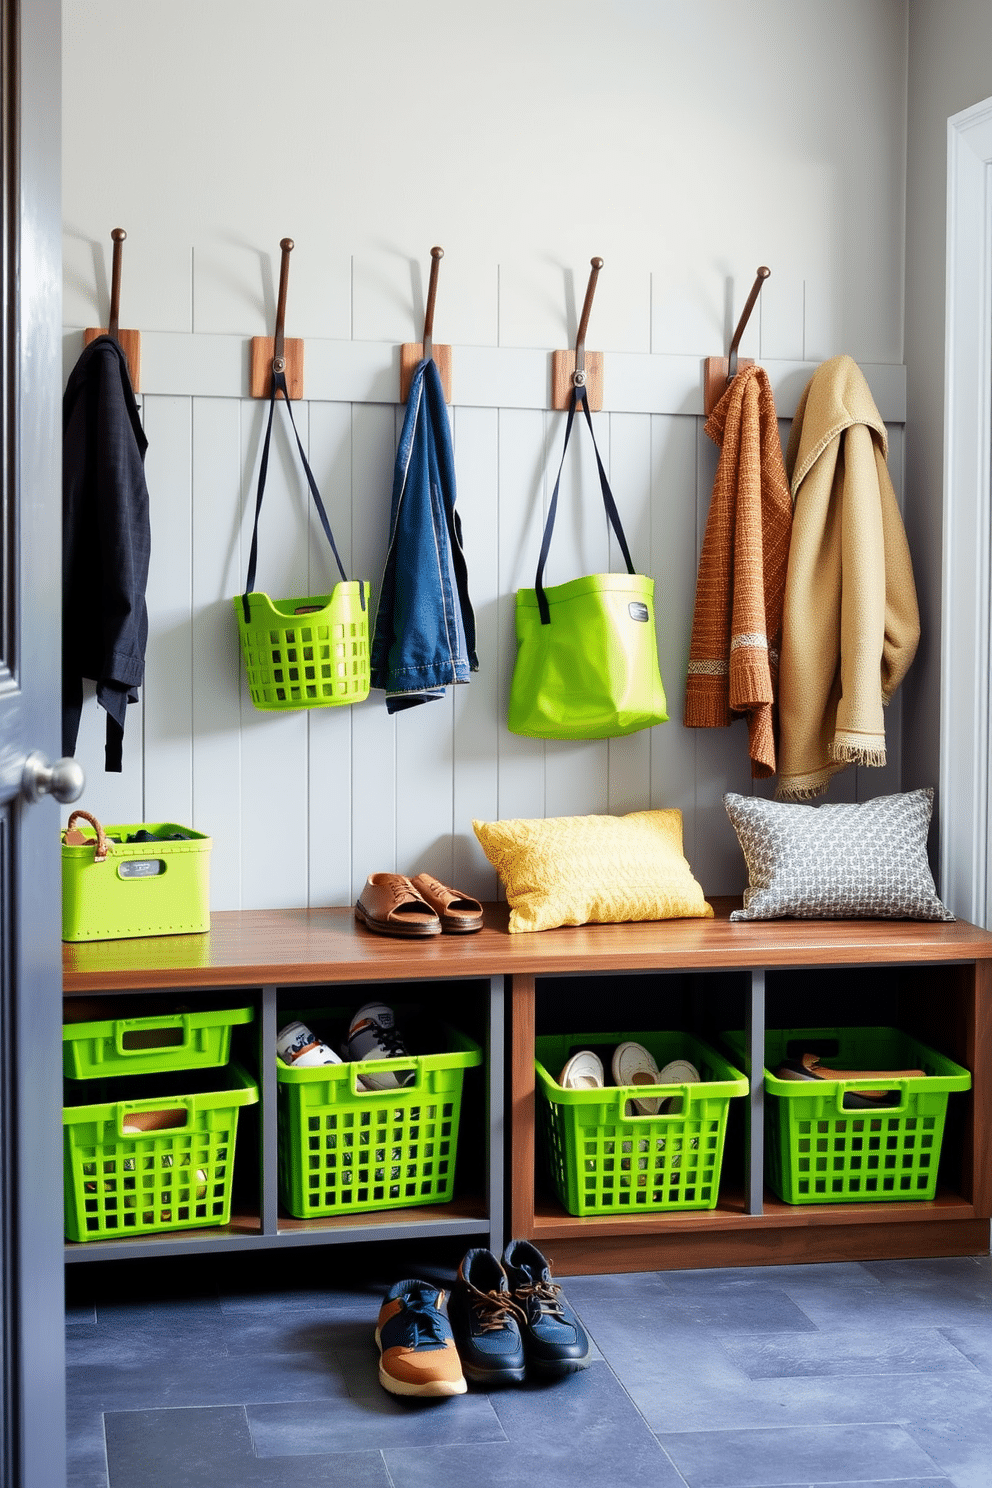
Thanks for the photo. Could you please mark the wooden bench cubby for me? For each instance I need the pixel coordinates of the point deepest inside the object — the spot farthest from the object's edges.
(704, 976)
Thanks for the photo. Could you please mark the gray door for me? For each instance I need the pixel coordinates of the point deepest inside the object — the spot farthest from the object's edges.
(32, 1365)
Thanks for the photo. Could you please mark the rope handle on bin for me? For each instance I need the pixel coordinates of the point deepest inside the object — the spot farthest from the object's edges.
(102, 846)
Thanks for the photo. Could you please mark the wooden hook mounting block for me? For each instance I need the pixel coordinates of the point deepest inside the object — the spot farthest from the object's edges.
(562, 373)
(716, 379)
(263, 349)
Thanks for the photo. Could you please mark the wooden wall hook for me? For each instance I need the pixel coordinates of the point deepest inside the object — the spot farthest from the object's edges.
(128, 341)
(719, 372)
(579, 367)
(266, 351)
(411, 352)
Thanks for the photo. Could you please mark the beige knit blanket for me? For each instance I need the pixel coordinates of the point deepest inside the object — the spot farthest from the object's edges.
(733, 654)
(851, 624)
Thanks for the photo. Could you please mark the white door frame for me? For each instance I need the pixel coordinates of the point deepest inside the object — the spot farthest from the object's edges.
(966, 647)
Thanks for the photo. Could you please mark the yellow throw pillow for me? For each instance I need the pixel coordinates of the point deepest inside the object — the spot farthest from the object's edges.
(573, 870)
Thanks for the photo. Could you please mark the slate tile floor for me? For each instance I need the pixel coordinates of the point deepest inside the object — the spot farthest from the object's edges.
(262, 1373)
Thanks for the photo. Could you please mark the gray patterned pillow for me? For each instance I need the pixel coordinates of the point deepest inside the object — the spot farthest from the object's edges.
(837, 862)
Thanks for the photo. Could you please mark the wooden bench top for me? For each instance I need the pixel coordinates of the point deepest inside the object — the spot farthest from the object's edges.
(286, 947)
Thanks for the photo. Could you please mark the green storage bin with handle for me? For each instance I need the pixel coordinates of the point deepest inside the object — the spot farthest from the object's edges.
(306, 653)
(347, 1150)
(606, 1158)
(820, 1151)
(138, 1162)
(118, 890)
(149, 1044)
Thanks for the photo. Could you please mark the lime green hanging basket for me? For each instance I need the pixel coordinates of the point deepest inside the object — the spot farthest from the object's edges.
(306, 653)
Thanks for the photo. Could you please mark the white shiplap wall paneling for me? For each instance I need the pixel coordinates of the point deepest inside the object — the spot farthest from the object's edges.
(374, 803)
(467, 308)
(390, 297)
(274, 797)
(684, 318)
(629, 758)
(674, 460)
(329, 730)
(780, 317)
(168, 689)
(156, 282)
(187, 365)
(533, 303)
(218, 576)
(721, 756)
(523, 461)
(237, 287)
(424, 770)
(475, 778)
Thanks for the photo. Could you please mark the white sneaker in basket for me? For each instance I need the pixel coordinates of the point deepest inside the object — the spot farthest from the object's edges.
(584, 1071)
(634, 1065)
(679, 1072)
(372, 1034)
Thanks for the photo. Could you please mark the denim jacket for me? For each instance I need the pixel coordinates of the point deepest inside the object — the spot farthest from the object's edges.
(424, 635)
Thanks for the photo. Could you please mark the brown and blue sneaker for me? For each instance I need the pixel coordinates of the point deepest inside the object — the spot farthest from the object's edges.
(486, 1322)
(417, 1354)
(554, 1340)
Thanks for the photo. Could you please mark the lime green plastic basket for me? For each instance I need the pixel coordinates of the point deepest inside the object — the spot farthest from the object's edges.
(149, 1045)
(141, 888)
(344, 1150)
(607, 1159)
(174, 1178)
(819, 1152)
(307, 653)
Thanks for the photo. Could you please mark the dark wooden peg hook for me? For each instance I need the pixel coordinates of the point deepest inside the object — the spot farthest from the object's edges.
(113, 325)
(579, 368)
(436, 256)
(279, 360)
(752, 299)
(411, 352)
(128, 341)
(579, 376)
(719, 372)
(278, 353)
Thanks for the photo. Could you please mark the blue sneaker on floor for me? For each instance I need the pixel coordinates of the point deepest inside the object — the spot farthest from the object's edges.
(417, 1351)
(486, 1323)
(555, 1341)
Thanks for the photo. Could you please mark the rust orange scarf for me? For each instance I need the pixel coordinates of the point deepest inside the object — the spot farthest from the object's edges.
(736, 627)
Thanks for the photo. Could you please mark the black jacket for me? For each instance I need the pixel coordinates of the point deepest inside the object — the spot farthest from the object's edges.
(106, 542)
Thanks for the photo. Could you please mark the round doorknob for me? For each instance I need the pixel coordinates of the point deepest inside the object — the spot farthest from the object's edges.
(64, 780)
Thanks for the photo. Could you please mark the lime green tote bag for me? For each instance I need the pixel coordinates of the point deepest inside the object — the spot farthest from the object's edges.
(587, 651)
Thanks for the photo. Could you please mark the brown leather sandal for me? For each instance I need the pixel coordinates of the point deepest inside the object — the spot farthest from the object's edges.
(459, 913)
(390, 905)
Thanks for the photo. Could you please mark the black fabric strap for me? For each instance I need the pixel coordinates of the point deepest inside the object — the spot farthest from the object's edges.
(578, 396)
(72, 710)
(279, 386)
